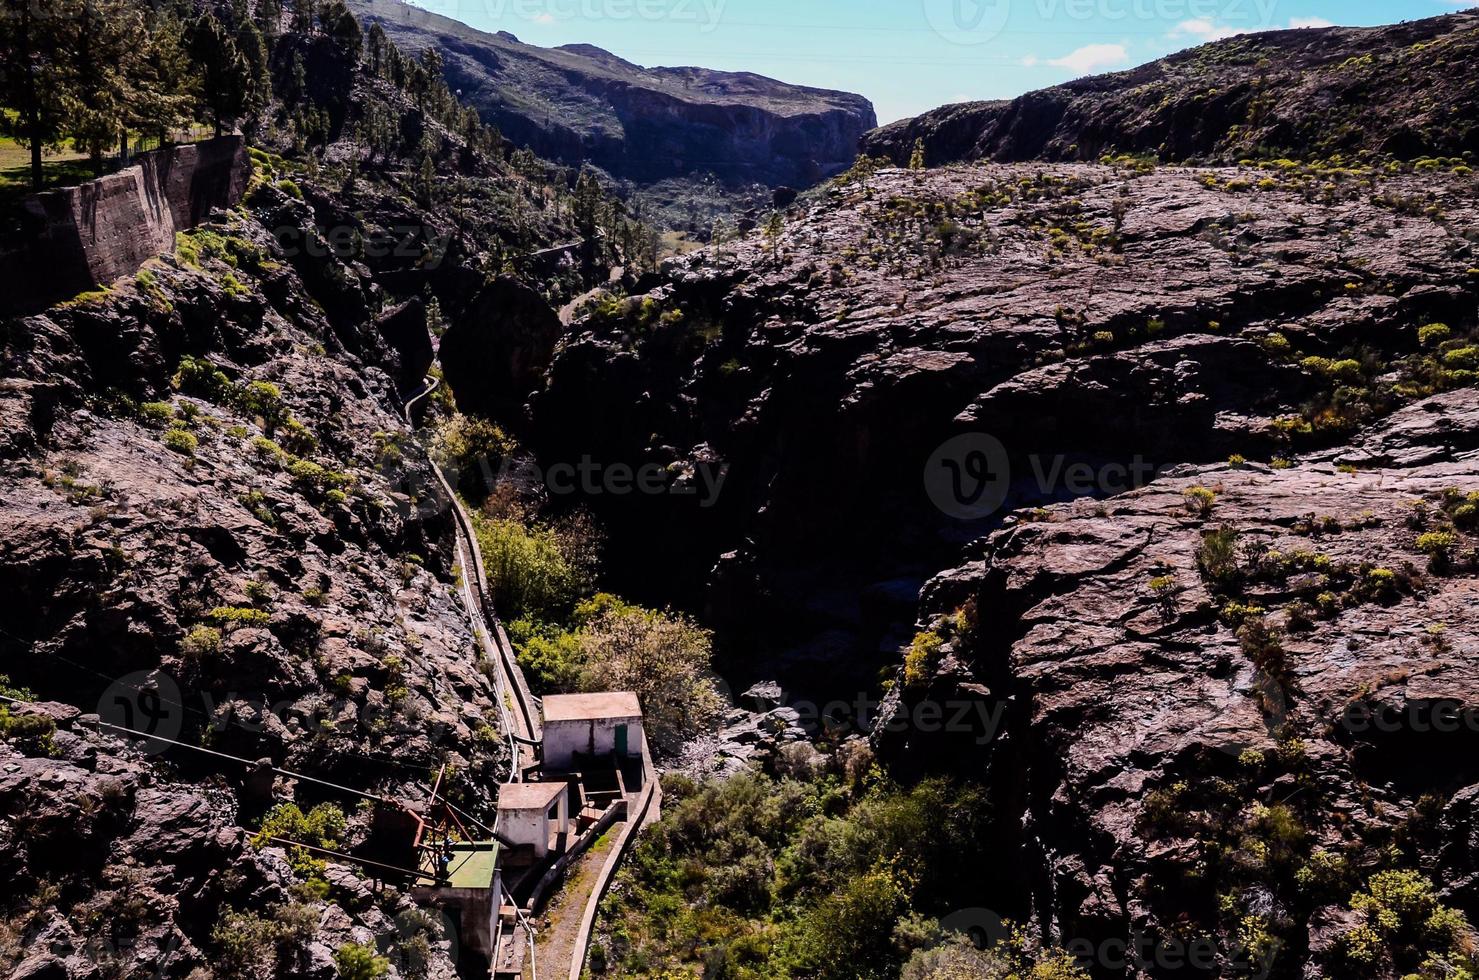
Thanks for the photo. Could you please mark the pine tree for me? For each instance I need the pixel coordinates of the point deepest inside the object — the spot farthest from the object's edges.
(226, 85)
(340, 25)
(305, 12)
(37, 78)
(587, 203)
(110, 41)
(269, 20)
(257, 80)
(774, 226)
(426, 181)
(376, 49)
(165, 81)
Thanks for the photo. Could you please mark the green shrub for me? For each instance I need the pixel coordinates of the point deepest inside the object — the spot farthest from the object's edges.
(1434, 334)
(252, 946)
(1346, 371)
(323, 826)
(181, 441)
(922, 657)
(316, 479)
(1379, 584)
(201, 641)
(1464, 359)
(1403, 919)
(233, 616)
(1217, 555)
(268, 449)
(356, 962)
(290, 188)
(263, 399)
(471, 450)
(295, 436)
(157, 414)
(29, 732)
(202, 379)
(541, 570)
(1200, 500)
(1438, 546)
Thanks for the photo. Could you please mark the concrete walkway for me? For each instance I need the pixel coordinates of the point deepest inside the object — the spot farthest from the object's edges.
(559, 925)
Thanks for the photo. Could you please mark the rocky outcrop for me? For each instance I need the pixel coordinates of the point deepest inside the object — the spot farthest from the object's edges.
(216, 527)
(1159, 702)
(1098, 323)
(1260, 386)
(1399, 90)
(79, 238)
(578, 104)
(498, 352)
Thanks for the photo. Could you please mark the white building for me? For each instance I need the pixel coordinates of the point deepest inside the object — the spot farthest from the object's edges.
(591, 725)
(533, 814)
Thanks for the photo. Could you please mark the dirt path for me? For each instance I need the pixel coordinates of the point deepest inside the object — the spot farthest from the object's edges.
(559, 924)
(568, 311)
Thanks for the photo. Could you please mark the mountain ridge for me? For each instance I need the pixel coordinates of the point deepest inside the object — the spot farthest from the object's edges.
(1401, 90)
(579, 103)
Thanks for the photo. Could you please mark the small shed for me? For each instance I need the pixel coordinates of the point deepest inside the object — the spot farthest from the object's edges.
(462, 879)
(609, 723)
(533, 814)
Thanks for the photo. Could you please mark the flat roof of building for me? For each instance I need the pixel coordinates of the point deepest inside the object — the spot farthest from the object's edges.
(591, 707)
(473, 864)
(529, 796)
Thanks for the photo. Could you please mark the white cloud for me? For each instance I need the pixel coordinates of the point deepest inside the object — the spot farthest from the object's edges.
(1029, 61)
(1202, 30)
(1092, 57)
(1205, 30)
(544, 18)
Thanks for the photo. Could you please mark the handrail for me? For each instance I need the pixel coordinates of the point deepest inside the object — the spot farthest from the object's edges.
(475, 595)
(491, 639)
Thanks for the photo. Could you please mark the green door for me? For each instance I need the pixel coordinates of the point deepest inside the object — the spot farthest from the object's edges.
(621, 740)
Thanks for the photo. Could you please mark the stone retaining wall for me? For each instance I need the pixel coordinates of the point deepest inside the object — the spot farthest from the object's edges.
(80, 238)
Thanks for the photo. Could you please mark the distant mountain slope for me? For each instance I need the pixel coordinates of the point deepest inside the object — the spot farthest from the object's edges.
(1407, 89)
(580, 103)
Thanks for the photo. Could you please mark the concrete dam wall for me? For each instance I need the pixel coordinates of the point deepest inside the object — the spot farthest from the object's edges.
(80, 238)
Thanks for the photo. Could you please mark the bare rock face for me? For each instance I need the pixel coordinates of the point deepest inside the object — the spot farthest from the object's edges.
(1160, 702)
(1398, 90)
(1099, 323)
(579, 104)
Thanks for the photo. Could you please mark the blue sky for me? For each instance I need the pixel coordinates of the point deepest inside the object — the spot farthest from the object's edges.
(912, 55)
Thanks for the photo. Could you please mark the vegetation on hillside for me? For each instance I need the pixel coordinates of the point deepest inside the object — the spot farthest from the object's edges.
(826, 870)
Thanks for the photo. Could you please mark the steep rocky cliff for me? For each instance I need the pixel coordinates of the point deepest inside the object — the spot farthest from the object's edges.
(217, 527)
(1168, 691)
(1403, 90)
(1134, 316)
(579, 104)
